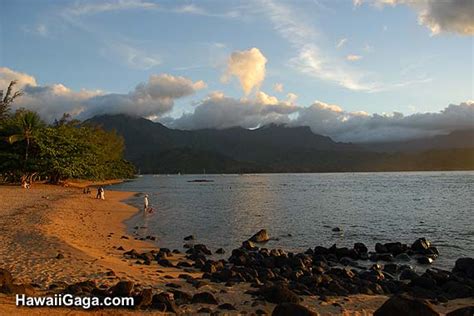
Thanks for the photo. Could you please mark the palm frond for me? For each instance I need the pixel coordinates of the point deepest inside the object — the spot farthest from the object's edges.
(15, 138)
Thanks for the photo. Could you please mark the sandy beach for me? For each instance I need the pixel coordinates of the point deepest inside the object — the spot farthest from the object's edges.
(53, 235)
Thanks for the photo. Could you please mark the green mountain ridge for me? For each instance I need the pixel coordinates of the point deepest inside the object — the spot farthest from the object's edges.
(154, 148)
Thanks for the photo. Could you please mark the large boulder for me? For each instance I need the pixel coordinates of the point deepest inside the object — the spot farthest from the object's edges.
(144, 299)
(279, 294)
(260, 236)
(165, 303)
(291, 309)
(464, 311)
(455, 289)
(396, 248)
(379, 248)
(464, 266)
(248, 245)
(181, 297)
(204, 298)
(212, 266)
(360, 248)
(406, 306)
(122, 289)
(420, 245)
(203, 249)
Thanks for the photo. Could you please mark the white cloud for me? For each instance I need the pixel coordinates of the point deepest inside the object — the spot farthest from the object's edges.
(310, 62)
(310, 59)
(95, 7)
(455, 16)
(132, 57)
(154, 97)
(220, 111)
(341, 42)
(52, 101)
(291, 98)
(249, 68)
(353, 57)
(7, 75)
(196, 10)
(341, 125)
(278, 87)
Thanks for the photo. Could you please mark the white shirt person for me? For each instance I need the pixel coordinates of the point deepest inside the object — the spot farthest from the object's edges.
(145, 203)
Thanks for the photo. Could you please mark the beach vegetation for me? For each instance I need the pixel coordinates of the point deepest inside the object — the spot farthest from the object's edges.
(31, 149)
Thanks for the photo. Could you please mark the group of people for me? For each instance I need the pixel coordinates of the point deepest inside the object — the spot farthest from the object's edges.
(101, 196)
(100, 192)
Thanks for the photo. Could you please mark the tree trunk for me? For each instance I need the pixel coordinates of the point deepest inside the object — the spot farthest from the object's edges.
(54, 178)
(27, 150)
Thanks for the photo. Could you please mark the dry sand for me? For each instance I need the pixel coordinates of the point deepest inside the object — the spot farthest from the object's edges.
(44, 221)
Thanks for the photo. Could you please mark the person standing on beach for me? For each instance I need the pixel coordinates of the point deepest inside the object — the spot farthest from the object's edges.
(145, 203)
(100, 193)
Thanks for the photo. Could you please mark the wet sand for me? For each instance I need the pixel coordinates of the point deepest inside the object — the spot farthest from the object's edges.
(44, 221)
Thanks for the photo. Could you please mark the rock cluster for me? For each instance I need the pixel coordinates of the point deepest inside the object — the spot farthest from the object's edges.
(337, 271)
(282, 278)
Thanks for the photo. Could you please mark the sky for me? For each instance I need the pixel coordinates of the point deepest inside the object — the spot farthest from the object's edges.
(355, 70)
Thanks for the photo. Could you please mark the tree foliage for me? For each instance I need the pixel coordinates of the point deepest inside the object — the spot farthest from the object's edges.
(65, 149)
(86, 152)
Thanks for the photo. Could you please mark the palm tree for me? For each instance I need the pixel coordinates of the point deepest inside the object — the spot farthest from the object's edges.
(28, 123)
(7, 99)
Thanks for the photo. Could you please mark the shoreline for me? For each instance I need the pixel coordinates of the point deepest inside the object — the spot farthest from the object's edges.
(49, 221)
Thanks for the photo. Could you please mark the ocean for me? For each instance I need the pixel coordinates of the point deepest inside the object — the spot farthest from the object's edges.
(300, 210)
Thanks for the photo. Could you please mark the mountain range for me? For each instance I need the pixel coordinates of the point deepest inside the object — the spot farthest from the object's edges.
(154, 148)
